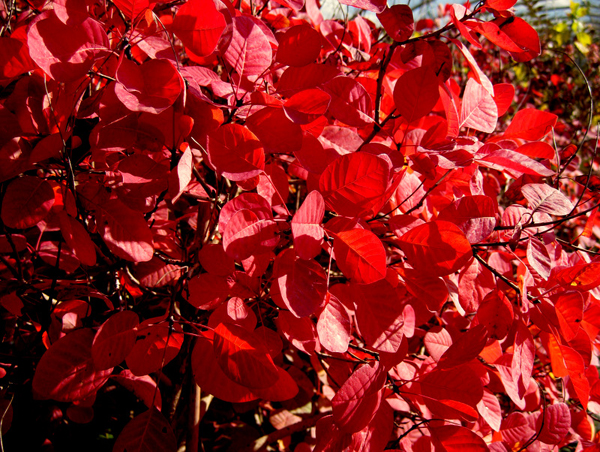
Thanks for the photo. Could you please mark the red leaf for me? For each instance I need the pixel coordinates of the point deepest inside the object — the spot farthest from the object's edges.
(468, 346)
(452, 438)
(215, 261)
(26, 202)
(143, 387)
(360, 255)
(581, 277)
(523, 357)
(513, 163)
(199, 25)
(479, 110)
(299, 45)
(147, 432)
(538, 257)
(376, 6)
(438, 247)
(216, 382)
(243, 357)
(537, 149)
(557, 422)
(496, 313)
(354, 183)
(306, 226)
(543, 198)
(236, 152)
(302, 283)
(474, 215)
(125, 231)
(275, 131)
(285, 388)
(249, 51)
(357, 401)
(115, 340)
(350, 101)
(152, 87)
(452, 393)
(437, 340)
(132, 8)
(65, 52)
(416, 93)
(247, 235)
(155, 346)
(490, 410)
(306, 106)
(66, 371)
(398, 22)
(334, 327)
(569, 310)
(78, 239)
(531, 124)
(522, 34)
(504, 93)
(15, 58)
(207, 290)
(379, 315)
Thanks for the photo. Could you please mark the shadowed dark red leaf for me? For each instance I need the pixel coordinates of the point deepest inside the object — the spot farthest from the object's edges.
(147, 432)
(66, 371)
(467, 347)
(115, 339)
(452, 438)
(155, 346)
(26, 202)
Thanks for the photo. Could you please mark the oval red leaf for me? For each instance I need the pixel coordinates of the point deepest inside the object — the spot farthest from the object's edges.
(147, 432)
(299, 46)
(115, 339)
(438, 247)
(360, 255)
(26, 202)
(236, 152)
(66, 371)
(416, 93)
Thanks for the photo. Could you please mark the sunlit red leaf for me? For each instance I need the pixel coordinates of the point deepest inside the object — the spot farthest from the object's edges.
(65, 52)
(370, 5)
(360, 255)
(379, 315)
(580, 277)
(523, 357)
(247, 234)
(354, 183)
(334, 326)
(146, 432)
(26, 202)
(115, 339)
(199, 26)
(490, 410)
(299, 46)
(66, 371)
(350, 101)
(474, 215)
(479, 110)
(243, 357)
(132, 8)
(15, 57)
(539, 257)
(467, 347)
(438, 247)
(398, 22)
(557, 422)
(496, 313)
(416, 93)
(306, 106)
(357, 401)
(569, 310)
(453, 438)
(543, 198)
(249, 51)
(236, 152)
(531, 124)
(504, 94)
(306, 226)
